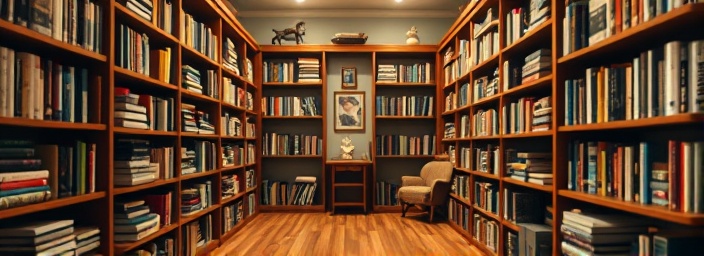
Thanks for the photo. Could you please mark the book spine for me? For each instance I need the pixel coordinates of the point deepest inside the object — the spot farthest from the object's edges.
(23, 199)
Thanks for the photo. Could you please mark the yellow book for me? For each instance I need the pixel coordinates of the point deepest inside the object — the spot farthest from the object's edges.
(600, 96)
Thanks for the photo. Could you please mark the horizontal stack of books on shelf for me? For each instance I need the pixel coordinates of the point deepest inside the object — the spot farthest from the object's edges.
(59, 20)
(291, 144)
(537, 65)
(132, 165)
(41, 88)
(134, 220)
(308, 70)
(195, 198)
(485, 86)
(404, 106)
(143, 8)
(229, 56)
(134, 50)
(23, 180)
(539, 12)
(87, 240)
(191, 79)
(50, 237)
(413, 73)
(403, 145)
(532, 167)
(301, 192)
(188, 161)
(291, 106)
(386, 73)
(230, 185)
(128, 113)
(205, 126)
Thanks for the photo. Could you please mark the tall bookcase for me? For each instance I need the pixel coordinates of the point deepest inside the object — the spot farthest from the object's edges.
(568, 129)
(106, 71)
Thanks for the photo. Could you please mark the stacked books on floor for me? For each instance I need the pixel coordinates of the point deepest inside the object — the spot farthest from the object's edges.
(22, 181)
(143, 8)
(537, 65)
(53, 237)
(386, 73)
(229, 56)
(128, 113)
(134, 221)
(188, 115)
(132, 165)
(203, 122)
(533, 167)
(308, 70)
(188, 161)
(191, 79)
(195, 198)
(230, 185)
(542, 114)
(595, 234)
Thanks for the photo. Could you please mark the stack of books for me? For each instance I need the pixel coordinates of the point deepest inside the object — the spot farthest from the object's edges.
(188, 115)
(230, 185)
(204, 125)
(595, 234)
(308, 70)
(195, 198)
(134, 221)
(229, 57)
(128, 112)
(533, 167)
(143, 8)
(449, 131)
(542, 114)
(132, 163)
(386, 73)
(304, 190)
(539, 12)
(231, 125)
(188, 158)
(537, 65)
(228, 156)
(87, 239)
(21, 179)
(38, 238)
(191, 79)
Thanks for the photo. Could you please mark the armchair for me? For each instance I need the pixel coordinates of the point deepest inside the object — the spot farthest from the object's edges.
(430, 189)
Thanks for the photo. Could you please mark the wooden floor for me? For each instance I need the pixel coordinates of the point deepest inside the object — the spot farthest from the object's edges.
(358, 234)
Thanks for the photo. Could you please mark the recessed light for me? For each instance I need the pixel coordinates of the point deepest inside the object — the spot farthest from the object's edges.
(300, 1)
(398, 1)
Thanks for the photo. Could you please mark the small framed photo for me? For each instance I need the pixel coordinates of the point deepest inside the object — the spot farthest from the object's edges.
(349, 111)
(349, 78)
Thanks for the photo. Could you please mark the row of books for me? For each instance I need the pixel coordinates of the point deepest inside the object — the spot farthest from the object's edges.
(196, 82)
(665, 174)
(291, 144)
(301, 192)
(197, 234)
(460, 186)
(455, 68)
(486, 123)
(486, 196)
(532, 167)
(405, 73)
(292, 71)
(162, 246)
(165, 15)
(404, 106)
(486, 231)
(40, 88)
(234, 94)
(232, 215)
(134, 51)
(485, 86)
(527, 114)
(387, 193)
(458, 213)
(536, 65)
(198, 36)
(663, 81)
(76, 22)
(521, 20)
(405, 145)
(231, 125)
(232, 155)
(49, 237)
(291, 106)
(485, 41)
(230, 185)
(196, 197)
(229, 56)
(143, 111)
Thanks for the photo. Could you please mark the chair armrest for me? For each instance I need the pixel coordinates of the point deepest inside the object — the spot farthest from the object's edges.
(439, 191)
(411, 181)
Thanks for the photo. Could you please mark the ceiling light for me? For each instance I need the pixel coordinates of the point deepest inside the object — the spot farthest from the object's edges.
(398, 1)
(300, 1)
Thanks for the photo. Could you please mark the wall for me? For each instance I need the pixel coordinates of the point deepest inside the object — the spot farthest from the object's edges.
(379, 30)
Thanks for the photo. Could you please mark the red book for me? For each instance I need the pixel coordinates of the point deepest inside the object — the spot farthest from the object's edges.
(22, 184)
(121, 91)
(157, 204)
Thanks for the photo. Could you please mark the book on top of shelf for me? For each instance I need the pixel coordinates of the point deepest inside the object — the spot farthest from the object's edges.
(34, 229)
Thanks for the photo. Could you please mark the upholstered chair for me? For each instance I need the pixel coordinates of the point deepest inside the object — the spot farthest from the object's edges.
(428, 190)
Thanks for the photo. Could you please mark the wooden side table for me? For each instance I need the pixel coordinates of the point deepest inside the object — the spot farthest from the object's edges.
(349, 183)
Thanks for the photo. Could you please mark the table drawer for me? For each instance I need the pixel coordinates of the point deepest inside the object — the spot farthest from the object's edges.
(349, 168)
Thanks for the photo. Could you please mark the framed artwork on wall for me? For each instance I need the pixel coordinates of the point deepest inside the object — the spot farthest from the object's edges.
(349, 112)
(349, 78)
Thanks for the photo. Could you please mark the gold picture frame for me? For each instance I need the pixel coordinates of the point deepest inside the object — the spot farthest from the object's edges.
(349, 78)
(349, 111)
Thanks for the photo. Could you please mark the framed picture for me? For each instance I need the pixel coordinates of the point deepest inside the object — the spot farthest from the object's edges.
(349, 78)
(349, 111)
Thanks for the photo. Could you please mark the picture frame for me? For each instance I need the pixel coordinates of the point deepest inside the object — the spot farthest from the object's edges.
(349, 78)
(349, 111)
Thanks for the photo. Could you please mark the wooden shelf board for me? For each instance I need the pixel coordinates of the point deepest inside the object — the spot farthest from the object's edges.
(486, 213)
(232, 198)
(21, 34)
(679, 119)
(486, 100)
(405, 84)
(24, 122)
(492, 137)
(195, 216)
(293, 84)
(250, 190)
(458, 198)
(193, 53)
(491, 61)
(484, 174)
(198, 135)
(652, 211)
(487, 27)
(233, 107)
(292, 156)
(292, 208)
(207, 248)
(51, 204)
(510, 225)
(231, 74)
(529, 40)
(250, 164)
(449, 85)
(686, 14)
(153, 184)
(348, 185)
(251, 112)
(528, 134)
(540, 83)
(134, 21)
(447, 61)
(318, 48)
(198, 175)
(292, 117)
(231, 168)
(544, 188)
(250, 138)
(121, 248)
(226, 137)
(405, 156)
(126, 74)
(197, 96)
(404, 117)
(132, 131)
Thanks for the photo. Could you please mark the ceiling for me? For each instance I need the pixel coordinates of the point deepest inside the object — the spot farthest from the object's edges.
(348, 8)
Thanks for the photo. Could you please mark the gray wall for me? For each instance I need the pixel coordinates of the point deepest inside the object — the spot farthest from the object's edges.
(379, 30)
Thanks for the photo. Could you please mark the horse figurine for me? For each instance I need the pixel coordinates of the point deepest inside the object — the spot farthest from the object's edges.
(298, 32)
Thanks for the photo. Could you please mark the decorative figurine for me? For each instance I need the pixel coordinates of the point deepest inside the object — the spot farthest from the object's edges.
(297, 32)
(412, 36)
(347, 148)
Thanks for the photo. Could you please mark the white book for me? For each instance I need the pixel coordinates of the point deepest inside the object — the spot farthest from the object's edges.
(135, 236)
(24, 175)
(130, 180)
(57, 20)
(4, 83)
(59, 249)
(688, 176)
(130, 107)
(589, 85)
(672, 77)
(635, 114)
(88, 247)
(83, 233)
(131, 116)
(36, 248)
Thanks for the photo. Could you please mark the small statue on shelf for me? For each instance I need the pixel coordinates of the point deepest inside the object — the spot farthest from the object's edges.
(347, 148)
(412, 36)
(297, 32)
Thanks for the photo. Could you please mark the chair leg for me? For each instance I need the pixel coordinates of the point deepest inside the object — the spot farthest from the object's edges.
(432, 210)
(404, 209)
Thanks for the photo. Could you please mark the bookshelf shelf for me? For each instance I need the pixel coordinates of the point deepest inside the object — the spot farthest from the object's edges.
(512, 181)
(656, 29)
(121, 248)
(680, 119)
(463, 108)
(132, 131)
(404, 156)
(131, 76)
(530, 87)
(451, 84)
(232, 138)
(51, 204)
(292, 208)
(156, 183)
(491, 62)
(292, 84)
(232, 198)
(510, 225)
(484, 174)
(24, 36)
(33, 123)
(195, 216)
(207, 248)
(250, 190)
(231, 168)
(458, 198)
(233, 107)
(486, 100)
(198, 97)
(486, 213)
(529, 41)
(292, 156)
(405, 117)
(486, 28)
(198, 175)
(464, 77)
(528, 135)
(483, 247)
(652, 211)
(198, 135)
(492, 137)
(232, 74)
(450, 60)
(292, 117)
(127, 17)
(193, 55)
(388, 84)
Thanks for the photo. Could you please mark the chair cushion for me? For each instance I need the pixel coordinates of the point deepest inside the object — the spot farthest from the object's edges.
(414, 194)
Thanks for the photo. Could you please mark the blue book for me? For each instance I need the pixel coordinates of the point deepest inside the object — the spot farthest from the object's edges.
(23, 191)
(591, 167)
(645, 173)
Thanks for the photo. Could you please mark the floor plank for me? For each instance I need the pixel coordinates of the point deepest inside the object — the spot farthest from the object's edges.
(357, 234)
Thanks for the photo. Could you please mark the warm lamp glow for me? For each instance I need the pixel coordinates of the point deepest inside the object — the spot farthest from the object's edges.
(300, 1)
(398, 1)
